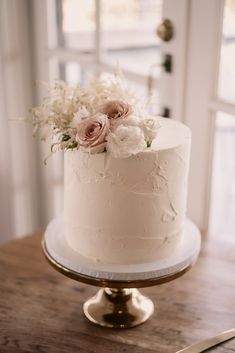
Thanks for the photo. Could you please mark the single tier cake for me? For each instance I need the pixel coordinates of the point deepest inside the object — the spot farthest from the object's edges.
(128, 210)
(125, 183)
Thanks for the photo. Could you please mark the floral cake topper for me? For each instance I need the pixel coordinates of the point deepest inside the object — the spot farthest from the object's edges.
(104, 116)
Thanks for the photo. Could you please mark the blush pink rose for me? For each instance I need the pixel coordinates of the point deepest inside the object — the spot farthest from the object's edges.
(115, 109)
(92, 132)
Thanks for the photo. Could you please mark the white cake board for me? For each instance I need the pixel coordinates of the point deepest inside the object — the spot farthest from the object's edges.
(59, 250)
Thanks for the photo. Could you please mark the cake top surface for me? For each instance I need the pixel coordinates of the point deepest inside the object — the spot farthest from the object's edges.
(171, 133)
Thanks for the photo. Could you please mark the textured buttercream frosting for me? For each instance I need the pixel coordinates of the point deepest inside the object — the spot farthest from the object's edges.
(128, 210)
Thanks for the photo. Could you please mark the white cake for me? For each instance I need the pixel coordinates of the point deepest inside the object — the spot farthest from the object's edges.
(128, 210)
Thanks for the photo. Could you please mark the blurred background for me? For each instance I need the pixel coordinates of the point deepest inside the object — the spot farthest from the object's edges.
(188, 69)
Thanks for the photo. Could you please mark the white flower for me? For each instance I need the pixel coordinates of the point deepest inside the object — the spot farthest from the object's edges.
(125, 141)
(150, 127)
(131, 120)
(81, 114)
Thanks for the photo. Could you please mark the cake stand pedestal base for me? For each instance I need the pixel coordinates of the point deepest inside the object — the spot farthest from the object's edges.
(118, 308)
(119, 304)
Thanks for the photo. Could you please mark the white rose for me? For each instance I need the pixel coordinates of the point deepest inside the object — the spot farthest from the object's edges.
(125, 141)
(131, 120)
(150, 128)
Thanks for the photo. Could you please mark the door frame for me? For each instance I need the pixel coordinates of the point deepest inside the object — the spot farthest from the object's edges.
(203, 57)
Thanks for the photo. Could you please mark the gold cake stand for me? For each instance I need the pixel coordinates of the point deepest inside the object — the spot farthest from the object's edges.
(118, 304)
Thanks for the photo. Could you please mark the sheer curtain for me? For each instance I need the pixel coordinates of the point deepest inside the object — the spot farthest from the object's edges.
(19, 184)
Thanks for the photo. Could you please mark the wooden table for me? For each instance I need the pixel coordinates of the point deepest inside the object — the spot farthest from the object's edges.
(41, 310)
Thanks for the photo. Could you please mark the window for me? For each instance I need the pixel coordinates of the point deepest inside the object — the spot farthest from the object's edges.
(223, 171)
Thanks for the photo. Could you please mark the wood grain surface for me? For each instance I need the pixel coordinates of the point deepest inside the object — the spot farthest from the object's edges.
(41, 310)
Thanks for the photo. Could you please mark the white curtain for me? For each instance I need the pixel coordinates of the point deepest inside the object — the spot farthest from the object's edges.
(19, 211)
(30, 193)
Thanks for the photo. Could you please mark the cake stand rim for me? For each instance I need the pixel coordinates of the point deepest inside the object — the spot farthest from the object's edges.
(112, 283)
(113, 279)
(62, 254)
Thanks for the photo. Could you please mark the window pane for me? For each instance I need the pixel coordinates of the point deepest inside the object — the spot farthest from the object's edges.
(223, 180)
(227, 67)
(76, 24)
(125, 39)
(71, 72)
(129, 33)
